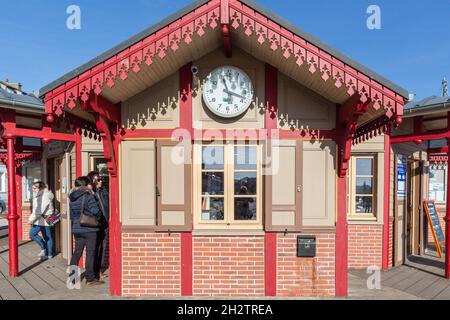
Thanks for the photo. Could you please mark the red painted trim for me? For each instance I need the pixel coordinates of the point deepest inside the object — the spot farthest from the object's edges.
(341, 239)
(271, 96)
(104, 108)
(12, 210)
(42, 134)
(107, 139)
(260, 134)
(431, 135)
(186, 82)
(186, 264)
(115, 233)
(227, 46)
(437, 151)
(270, 260)
(387, 195)
(312, 134)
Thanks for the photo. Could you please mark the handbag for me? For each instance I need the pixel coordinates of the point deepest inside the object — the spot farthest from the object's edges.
(87, 220)
(54, 218)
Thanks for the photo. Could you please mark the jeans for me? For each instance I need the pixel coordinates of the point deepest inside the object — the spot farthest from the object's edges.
(46, 241)
(102, 255)
(88, 240)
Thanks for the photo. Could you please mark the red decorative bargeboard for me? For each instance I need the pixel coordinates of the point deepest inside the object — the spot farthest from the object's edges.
(236, 15)
(438, 160)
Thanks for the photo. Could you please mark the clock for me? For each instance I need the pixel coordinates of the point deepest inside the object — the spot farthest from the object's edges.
(228, 92)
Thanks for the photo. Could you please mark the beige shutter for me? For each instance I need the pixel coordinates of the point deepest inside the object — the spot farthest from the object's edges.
(282, 187)
(138, 180)
(174, 186)
(319, 184)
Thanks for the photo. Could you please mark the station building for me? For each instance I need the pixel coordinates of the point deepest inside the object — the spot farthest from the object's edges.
(245, 156)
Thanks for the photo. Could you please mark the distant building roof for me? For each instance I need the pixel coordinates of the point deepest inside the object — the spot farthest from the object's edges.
(427, 104)
(20, 100)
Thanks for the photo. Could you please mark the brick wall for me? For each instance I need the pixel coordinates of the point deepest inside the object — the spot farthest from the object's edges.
(224, 266)
(441, 212)
(151, 264)
(305, 276)
(228, 266)
(26, 212)
(365, 246)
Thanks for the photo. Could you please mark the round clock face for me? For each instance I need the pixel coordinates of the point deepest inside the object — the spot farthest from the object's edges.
(228, 92)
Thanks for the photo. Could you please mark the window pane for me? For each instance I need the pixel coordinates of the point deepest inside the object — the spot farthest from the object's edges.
(245, 183)
(364, 167)
(245, 209)
(212, 209)
(364, 186)
(212, 183)
(245, 158)
(212, 158)
(364, 204)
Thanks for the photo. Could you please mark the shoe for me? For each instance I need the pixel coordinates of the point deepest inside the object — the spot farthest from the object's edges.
(103, 276)
(42, 253)
(95, 282)
(43, 258)
(49, 257)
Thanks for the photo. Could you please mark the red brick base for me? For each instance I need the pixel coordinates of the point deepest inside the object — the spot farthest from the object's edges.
(224, 266)
(305, 276)
(365, 246)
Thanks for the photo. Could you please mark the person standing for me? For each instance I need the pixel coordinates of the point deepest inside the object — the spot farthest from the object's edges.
(82, 199)
(102, 195)
(42, 207)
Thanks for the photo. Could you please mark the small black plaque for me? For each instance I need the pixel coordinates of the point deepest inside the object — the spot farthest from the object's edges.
(306, 246)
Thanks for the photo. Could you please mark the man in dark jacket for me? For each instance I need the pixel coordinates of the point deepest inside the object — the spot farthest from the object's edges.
(102, 197)
(82, 199)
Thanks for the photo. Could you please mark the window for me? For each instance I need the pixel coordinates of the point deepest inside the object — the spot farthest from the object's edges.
(438, 185)
(362, 188)
(229, 186)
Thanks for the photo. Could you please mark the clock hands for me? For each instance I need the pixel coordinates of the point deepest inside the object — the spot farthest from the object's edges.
(234, 94)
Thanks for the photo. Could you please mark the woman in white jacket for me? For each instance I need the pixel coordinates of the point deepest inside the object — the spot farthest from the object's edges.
(42, 207)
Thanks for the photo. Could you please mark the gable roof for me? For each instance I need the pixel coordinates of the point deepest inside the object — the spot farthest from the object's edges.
(193, 6)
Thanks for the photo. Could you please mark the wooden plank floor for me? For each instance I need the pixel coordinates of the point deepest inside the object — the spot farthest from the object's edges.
(422, 277)
(40, 280)
(36, 278)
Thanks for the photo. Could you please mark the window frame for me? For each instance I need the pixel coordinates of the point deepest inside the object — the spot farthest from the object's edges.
(351, 194)
(229, 222)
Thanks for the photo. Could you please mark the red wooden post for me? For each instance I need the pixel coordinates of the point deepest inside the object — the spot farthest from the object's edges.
(342, 239)
(387, 194)
(115, 232)
(186, 264)
(270, 257)
(447, 220)
(12, 210)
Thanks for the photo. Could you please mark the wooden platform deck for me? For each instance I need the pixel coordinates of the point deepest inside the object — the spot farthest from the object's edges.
(420, 276)
(37, 279)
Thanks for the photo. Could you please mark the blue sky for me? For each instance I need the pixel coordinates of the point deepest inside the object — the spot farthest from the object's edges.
(412, 49)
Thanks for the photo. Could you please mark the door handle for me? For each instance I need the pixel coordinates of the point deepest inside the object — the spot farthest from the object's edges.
(299, 188)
